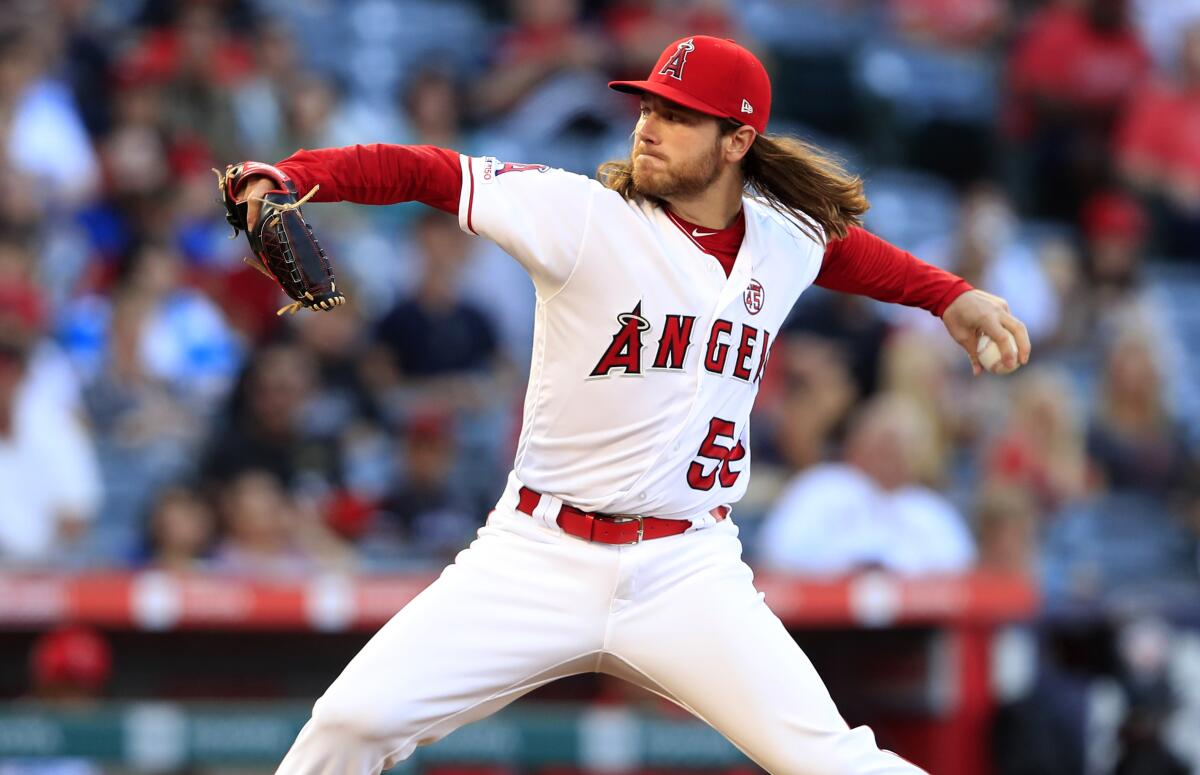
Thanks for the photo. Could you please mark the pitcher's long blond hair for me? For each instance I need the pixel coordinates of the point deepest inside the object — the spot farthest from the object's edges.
(796, 178)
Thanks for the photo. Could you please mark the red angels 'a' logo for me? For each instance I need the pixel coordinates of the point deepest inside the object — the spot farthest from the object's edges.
(754, 296)
(674, 65)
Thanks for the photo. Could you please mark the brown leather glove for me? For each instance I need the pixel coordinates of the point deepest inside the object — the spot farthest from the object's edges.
(285, 248)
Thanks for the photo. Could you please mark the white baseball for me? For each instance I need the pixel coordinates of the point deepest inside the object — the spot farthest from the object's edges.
(990, 356)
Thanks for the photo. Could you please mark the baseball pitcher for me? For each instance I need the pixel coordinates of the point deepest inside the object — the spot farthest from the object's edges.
(661, 288)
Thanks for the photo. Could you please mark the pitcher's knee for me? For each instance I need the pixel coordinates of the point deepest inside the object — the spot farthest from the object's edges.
(348, 727)
(334, 742)
(351, 725)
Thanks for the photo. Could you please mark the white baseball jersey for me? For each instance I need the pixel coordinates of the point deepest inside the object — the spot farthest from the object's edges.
(646, 358)
(646, 361)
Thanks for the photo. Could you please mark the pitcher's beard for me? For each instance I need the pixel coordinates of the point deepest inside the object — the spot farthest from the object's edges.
(686, 181)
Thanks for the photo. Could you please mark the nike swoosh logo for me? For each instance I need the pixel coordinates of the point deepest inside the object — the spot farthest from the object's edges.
(696, 233)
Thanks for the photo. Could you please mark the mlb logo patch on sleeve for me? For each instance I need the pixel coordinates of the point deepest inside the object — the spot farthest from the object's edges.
(493, 168)
(509, 166)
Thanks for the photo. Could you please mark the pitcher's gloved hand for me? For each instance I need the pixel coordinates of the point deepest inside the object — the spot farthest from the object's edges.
(284, 246)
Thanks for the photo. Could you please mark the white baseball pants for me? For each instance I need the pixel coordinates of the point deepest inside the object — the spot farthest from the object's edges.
(526, 604)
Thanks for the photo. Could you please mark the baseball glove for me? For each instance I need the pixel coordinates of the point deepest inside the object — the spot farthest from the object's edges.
(284, 246)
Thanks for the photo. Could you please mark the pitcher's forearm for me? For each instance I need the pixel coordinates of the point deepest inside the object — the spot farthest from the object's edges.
(379, 174)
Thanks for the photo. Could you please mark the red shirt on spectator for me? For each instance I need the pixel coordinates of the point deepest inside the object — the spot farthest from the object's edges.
(948, 22)
(1065, 59)
(1160, 133)
(157, 59)
(638, 28)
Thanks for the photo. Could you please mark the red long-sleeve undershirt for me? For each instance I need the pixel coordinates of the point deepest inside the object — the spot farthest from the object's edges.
(864, 264)
(379, 174)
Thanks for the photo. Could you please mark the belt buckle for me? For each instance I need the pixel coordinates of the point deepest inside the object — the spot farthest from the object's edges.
(622, 518)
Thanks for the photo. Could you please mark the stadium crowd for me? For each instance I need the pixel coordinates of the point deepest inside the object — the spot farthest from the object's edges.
(156, 412)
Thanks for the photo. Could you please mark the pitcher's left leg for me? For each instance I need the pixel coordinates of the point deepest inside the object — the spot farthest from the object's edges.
(700, 634)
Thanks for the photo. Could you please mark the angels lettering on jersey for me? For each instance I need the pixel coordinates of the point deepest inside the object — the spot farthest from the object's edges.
(626, 353)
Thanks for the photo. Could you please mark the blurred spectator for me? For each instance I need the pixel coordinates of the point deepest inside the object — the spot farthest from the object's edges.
(986, 252)
(1069, 75)
(868, 512)
(432, 100)
(146, 434)
(42, 132)
(1158, 144)
(71, 664)
(180, 531)
(1144, 647)
(639, 29)
(260, 100)
(334, 344)
(954, 24)
(546, 82)
(311, 117)
(86, 55)
(916, 366)
(196, 62)
(1133, 439)
(1117, 296)
(436, 343)
(810, 392)
(1062, 261)
(437, 352)
(547, 37)
(1006, 531)
(1160, 24)
(179, 34)
(134, 152)
(182, 338)
(268, 533)
(1115, 228)
(266, 426)
(343, 412)
(69, 667)
(49, 370)
(1040, 447)
(853, 322)
(48, 468)
(129, 406)
(803, 402)
(425, 514)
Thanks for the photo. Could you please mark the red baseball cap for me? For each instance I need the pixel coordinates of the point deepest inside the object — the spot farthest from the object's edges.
(73, 655)
(1113, 214)
(714, 76)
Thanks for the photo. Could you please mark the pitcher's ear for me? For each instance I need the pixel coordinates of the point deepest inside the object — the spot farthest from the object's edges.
(738, 142)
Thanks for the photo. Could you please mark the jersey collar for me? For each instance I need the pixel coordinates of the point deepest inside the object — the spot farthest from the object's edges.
(722, 243)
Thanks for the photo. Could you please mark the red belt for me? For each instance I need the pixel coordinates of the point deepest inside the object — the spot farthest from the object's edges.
(617, 529)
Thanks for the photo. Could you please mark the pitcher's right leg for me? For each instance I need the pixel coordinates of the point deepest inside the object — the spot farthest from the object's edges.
(522, 606)
(702, 636)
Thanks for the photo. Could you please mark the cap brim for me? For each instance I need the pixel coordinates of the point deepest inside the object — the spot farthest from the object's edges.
(667, 92)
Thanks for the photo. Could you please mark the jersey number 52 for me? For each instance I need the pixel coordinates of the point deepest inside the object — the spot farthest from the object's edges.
(712, 450)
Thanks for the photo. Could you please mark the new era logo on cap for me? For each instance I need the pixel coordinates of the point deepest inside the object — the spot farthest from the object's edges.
(747, 107)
